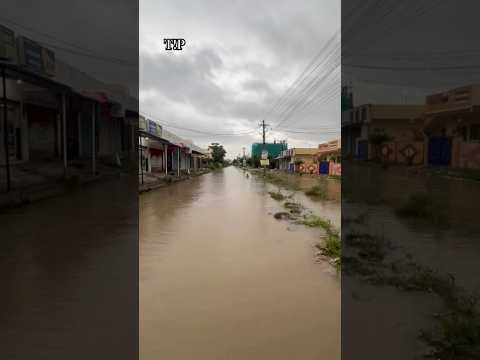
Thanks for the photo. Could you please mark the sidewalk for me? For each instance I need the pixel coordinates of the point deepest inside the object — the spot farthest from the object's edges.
(34, 181)
(153, 181)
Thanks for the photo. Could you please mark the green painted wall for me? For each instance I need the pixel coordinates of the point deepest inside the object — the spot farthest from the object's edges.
(273, 149)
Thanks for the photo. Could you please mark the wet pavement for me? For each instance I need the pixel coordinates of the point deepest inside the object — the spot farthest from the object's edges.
(220, 278)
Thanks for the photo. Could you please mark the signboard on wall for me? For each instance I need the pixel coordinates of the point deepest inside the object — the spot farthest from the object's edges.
(154, 128)
(35, 57)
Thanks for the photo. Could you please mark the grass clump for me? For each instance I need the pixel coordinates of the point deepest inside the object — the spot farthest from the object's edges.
(277, 195)
(422, 206)
(294, 207)
(417, 205)
(317, 191)
(369, 247)
(282, 215)
(454, 337)
(332, 247)
(456, 334)
(318, 222)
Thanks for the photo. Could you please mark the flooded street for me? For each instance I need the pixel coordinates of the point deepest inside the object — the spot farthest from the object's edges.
(220, 278)
(68, 269)
(447, 246)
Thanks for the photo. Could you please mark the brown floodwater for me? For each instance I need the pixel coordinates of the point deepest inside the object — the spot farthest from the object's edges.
(220, 278)
(381, 322)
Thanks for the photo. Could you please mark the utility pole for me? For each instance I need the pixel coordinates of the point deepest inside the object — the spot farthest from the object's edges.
(263, 133)
(263, 125)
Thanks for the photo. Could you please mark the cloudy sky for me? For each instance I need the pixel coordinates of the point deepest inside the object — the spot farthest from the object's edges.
(408, 49)
(240, 57)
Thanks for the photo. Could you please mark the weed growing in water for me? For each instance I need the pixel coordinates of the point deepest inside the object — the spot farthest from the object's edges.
(318, 192)
(277, 195)
(421, 205)
(294, 207)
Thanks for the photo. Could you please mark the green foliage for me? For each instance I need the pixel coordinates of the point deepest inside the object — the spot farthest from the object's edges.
(317, 221)
(294, 207)
(422, 206)
(277, 195)
(215, 166)
(318, 192)
(218, 153)
(332, 247)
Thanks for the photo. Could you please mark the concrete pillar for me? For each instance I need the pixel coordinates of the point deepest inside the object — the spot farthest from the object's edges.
(94, 110)
(24, 131)
(165, 162)
(64, 132)
(79, 125)
(178, 161)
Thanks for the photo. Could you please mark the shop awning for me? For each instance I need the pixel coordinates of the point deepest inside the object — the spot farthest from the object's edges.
(18, 73)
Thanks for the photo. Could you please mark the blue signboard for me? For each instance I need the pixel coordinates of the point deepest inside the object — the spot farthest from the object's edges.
(152, 127)
(32, 55)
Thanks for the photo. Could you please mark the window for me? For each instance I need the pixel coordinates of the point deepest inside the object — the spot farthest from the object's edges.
(475, 132)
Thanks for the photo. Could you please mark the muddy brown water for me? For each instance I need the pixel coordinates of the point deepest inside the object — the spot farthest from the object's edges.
(383, 322)
(69, 275)
(220, 278)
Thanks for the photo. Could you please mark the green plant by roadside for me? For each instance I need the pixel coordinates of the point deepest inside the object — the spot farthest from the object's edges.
(277, 195)
(318, 192)
(421, 205)
(294, 207)
(317, 221)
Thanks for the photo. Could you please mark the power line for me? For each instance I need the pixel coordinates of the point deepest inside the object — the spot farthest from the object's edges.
(413, 68)
(203, 132)
(316, 81)
(80, 50)
(303, 76)
(306, 96)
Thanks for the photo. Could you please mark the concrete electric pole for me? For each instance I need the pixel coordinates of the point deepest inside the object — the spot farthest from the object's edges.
(264, 126)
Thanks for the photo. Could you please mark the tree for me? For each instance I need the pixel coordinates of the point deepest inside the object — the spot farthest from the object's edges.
(218, 153)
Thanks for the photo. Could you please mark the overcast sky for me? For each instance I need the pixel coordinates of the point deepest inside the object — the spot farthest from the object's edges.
(240, 57)
(437, 39)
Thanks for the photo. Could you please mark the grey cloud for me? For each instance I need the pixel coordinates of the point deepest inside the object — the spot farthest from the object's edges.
(258, 86)
(183, 79)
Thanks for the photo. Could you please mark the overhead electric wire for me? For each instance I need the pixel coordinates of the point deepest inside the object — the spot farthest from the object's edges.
(372, 23)
(333, 55)
(329, 64)
(203, 132)
(414, 68)
(302, 77)
(306, 95)
(82, 51)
